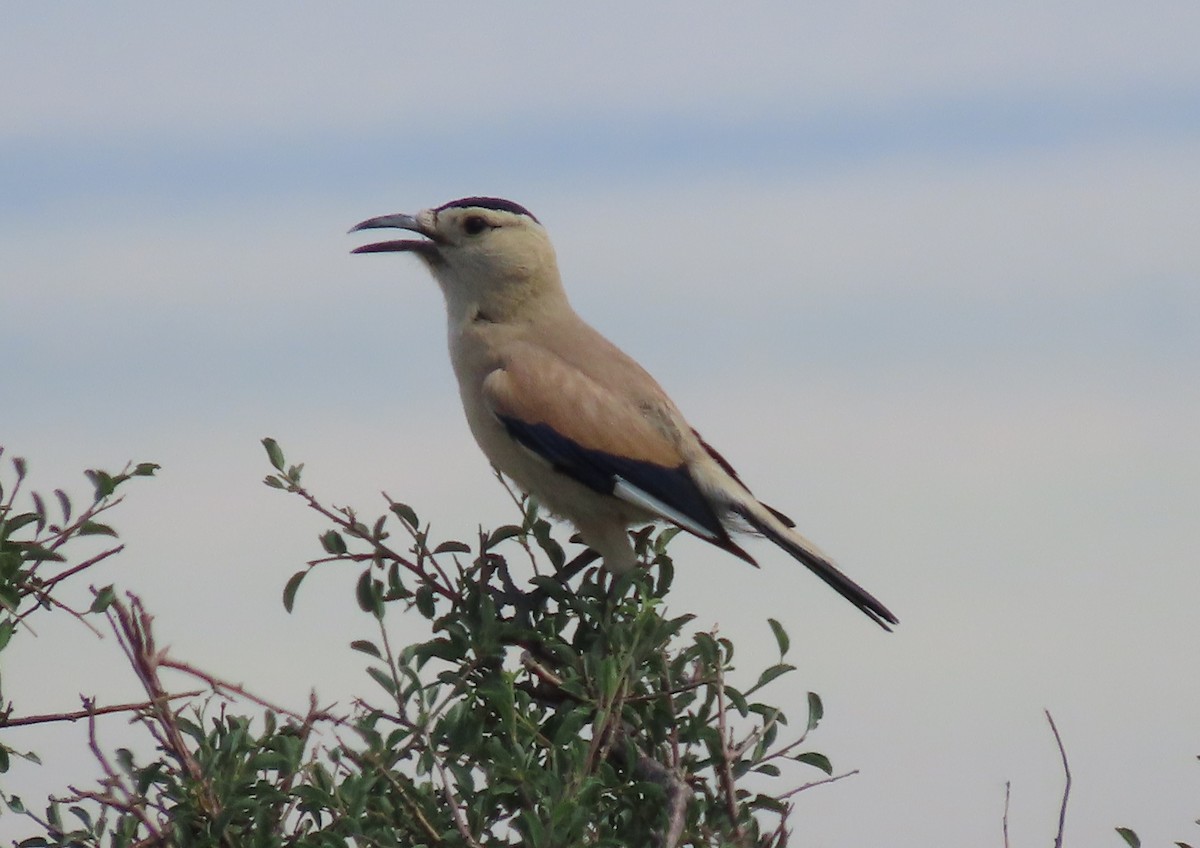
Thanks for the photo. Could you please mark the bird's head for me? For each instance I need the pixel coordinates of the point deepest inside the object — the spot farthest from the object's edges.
(483, 251)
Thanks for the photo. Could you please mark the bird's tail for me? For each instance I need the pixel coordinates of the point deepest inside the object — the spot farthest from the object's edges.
(772, 525)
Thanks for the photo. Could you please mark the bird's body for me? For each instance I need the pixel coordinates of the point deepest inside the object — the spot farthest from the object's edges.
(567, 415)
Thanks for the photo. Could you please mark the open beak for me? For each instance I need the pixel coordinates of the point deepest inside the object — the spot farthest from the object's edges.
(427, 246)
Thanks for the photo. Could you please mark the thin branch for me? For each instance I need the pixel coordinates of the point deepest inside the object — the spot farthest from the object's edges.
(225, 688)
(352, 528)
(823, 781)
(88, 711)
(726, 769)
(1004, 821)
(460, 821)
(1062, 813)
(114, 782)
(45, 597)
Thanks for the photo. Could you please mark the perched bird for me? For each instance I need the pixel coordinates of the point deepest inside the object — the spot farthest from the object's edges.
(564, 413)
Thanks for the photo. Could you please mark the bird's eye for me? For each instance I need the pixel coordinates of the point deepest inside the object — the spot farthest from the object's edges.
(473, 225)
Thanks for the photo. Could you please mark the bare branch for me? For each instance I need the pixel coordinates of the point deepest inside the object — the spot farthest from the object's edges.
(1004, 822)
(1062, 813)
(822, 782)
(88, 711)
(726, 766)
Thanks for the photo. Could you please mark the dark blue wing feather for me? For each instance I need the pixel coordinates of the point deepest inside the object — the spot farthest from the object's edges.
(599, 471)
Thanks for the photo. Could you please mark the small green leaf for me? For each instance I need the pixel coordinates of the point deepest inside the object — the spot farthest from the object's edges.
(145, 469)
(406, 514)
(368, 593)
(15, 523)
(816, 710)
(1130, 837)
(781, 637)
(289, 590)
(771, 673)
(95, 528)
(103, 599)
(820, 761)
(333, 543)
(383, 679)
(32, 552)
(452, 546)
(367, 647)
(274, 482)
(738, 700)
(424, 601)
(501, 533)
(104, 483)
(274, 453)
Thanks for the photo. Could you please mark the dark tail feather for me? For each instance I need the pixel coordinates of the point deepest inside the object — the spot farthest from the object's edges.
(823, 568)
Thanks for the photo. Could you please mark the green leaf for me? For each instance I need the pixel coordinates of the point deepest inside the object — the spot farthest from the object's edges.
(95, 528)
(104, 483)
(816, 710)
(145, 469)
(368, 593)
(820, 761)
(406, 514)
(103, 599)
(333, 543)
(367, 647)
(770, 674)
(424, 601)
(274, 453)
(12, 525)
(32, 552)
(289, 590)
(274, 482)
(452, 546)
(781, 637)
(1130, 837)
(501, 533)
(738, 700)
(383, 679)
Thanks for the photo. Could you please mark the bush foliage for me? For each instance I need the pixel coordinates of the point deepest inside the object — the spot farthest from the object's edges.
(550, 705)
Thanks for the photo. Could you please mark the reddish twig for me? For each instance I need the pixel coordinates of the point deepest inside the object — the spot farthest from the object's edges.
(87, 711)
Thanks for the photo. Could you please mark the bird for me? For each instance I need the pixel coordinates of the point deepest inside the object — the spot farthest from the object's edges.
(564, 413)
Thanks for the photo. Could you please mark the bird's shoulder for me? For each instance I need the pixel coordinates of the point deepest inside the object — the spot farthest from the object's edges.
(587, 390)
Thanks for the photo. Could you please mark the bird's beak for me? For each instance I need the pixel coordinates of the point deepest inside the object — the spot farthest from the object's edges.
(427, 248)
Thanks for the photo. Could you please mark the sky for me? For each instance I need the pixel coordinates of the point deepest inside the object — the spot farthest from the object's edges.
(927, 275)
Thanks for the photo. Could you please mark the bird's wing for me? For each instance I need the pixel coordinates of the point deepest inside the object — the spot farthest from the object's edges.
(624, 443)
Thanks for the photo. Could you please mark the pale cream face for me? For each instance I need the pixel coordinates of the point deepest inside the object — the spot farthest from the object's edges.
(487, 245)
(490, 258)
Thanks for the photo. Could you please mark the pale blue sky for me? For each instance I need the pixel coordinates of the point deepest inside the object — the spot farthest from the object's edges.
(929, 276)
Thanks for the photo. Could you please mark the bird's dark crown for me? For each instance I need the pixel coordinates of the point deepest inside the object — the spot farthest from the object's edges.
(489, 203)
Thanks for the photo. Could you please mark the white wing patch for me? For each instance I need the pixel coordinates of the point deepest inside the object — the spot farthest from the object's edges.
(630, 493)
